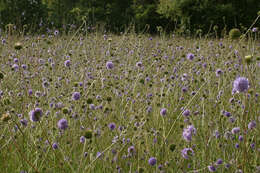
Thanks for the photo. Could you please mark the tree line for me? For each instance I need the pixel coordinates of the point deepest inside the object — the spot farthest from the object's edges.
(182, 16)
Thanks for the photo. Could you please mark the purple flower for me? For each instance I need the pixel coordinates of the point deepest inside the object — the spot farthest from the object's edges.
(76, 96)
(99, 154)
(186, 113)
(219, 162)
(55, 146)
(67, 63)
(187, 153)
(218, 72)
(190, 56)
(62, 124)
(112, 126)
(15, 67)
(56, 32)
(163, 111)
(212, 168)
(152, 161)
(131, 149)
(188, 133)
(235, 130)
(109, 65)
(255, 29)
(139, 64)
(24, 122)
(252, 125)
(241, 84)
(184, 89)
(30, 92)
(35, 114)
(82, 139)
(240, 138)
(227, 114)
(237, 145)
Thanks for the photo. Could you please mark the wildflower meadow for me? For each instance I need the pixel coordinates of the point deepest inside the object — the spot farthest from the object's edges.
(100, 103)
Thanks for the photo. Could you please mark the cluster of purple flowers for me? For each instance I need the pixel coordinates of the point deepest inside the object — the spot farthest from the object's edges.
(188, 133)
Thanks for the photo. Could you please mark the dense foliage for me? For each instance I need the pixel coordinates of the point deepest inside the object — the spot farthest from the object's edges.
(117, 15)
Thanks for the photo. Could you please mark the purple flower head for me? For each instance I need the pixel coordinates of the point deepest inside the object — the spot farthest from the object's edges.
(149, 109)
(163, 111)
(252, 125)
(35, 114)
(219, 162)
(67, 63)
(112, 126)
(237, 145)
(15, 67)
(55, 146)
(240, 138)
(218, 72)
(99, 154)
(188, 133)
(152, 161)
(186, 113)
(56, 32)
(16, 60)
(235, 130)
(212, 168)
(109, 65)
(76, 96)
(139, 64)
(227, 114)
(255, 29)
(30, 92)
(190, 56)
(241, 84)
(24, 66)
(82, 139)
(62, 124)
(131, 149)
(184, 89)
(24, 122)
(187, 153)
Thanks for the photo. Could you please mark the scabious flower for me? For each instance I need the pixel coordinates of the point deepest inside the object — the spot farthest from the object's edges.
(188, 133)
(67, 63)
(190, 56)
(131, 149)
(241, 84)
(252, 125)
(186, 113)
(163, 111)
(152, 161)
(109, 65)
(218, 72)
(55, 146)
(24, 122)
(139, 64)
(15, 67)
(255, 29)
(76, 96)
(235, 130)
(212, 168)
(35, 114)
(219, 162)
(62, 124)
(112, 126)
(56, 32)
(187, 153)
(82, 139)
